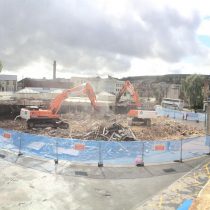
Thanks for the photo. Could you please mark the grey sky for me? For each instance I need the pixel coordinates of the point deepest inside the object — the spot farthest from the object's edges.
(85, 37)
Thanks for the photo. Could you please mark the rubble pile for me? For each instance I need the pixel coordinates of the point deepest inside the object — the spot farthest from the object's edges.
(164, 129)
(115, 132)
(111, 128)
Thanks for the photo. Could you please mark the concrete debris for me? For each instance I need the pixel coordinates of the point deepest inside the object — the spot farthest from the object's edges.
(115, 132)
(164, 128)
(112, 127)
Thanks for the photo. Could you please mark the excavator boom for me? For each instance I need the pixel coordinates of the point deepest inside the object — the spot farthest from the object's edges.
(128, 87)
(84, 88)
(49, 117)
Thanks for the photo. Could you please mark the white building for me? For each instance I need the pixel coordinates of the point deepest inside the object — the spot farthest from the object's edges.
(8, 83)
(110, 84)
(173, 91)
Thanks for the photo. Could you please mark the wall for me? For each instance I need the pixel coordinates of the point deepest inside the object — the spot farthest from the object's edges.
(8, 83)
(45, 83)
(110, 84)
(173, 91)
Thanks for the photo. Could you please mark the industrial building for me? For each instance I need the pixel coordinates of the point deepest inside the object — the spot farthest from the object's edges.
(8, 83)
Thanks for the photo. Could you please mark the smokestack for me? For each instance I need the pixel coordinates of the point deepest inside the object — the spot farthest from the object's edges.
(54, 70)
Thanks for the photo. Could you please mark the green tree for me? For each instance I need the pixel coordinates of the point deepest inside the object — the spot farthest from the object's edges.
(192, 90)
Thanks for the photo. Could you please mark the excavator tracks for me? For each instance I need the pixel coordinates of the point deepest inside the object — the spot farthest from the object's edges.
(45, 122)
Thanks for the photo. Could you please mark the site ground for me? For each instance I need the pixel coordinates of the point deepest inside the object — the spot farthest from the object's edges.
(103, 127)
(36, 183)
(31, 183)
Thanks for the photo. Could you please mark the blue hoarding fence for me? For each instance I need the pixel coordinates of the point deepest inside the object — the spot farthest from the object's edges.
(208, 143)
(101, 153)
(181, 115)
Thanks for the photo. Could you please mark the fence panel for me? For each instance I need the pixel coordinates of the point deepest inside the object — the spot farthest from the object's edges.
(105, 152)
(85, 151)
(161, 151)
(194, 147)
(8, 140)
(121, 153)
(176, 114)
(37, 145)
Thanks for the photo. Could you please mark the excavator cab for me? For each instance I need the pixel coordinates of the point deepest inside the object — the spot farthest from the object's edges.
(136, 115)
(127, 106)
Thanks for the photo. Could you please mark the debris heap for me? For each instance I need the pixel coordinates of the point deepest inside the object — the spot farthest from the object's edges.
(113, 127)
(115, 132)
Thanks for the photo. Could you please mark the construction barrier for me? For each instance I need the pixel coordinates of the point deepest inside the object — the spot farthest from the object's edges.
(181, 115)
(106, 152)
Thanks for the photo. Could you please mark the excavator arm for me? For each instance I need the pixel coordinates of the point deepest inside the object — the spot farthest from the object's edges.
(128, 87)
(84, 88)
(49, 117)
(88, 90)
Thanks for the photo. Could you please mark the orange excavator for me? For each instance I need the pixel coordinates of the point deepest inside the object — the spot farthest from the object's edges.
(128, 87)
(137, 115)
(37, 117)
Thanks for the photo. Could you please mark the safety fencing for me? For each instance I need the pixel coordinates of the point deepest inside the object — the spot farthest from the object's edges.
(181, 115)
(104, 152)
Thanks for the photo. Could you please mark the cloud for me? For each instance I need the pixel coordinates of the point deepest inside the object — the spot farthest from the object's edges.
(204, 28)
(90, 37)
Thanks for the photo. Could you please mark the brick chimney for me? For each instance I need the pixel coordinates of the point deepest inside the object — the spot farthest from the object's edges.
(54, 70)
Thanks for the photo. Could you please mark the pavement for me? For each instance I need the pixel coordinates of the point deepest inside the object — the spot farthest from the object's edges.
(185, 189)
(68, 168)
(203, 199)
(35, 183)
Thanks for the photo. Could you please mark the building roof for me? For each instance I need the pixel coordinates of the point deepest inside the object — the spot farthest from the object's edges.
(45, 83)
(47, 90)
(40, 90)
(44, 80)
(27, 90)
(104, 93)
(8, 77)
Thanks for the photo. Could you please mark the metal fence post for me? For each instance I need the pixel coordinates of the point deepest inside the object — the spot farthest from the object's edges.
(56, 150)
(139, 161)
(208, 126)
(20, 145)
(180, 160)
(208, 138)
(181, 152)
(142, 155)
(205, 124)
(100, 161)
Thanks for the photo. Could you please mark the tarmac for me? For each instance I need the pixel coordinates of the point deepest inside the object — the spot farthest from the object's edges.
(35, 183)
